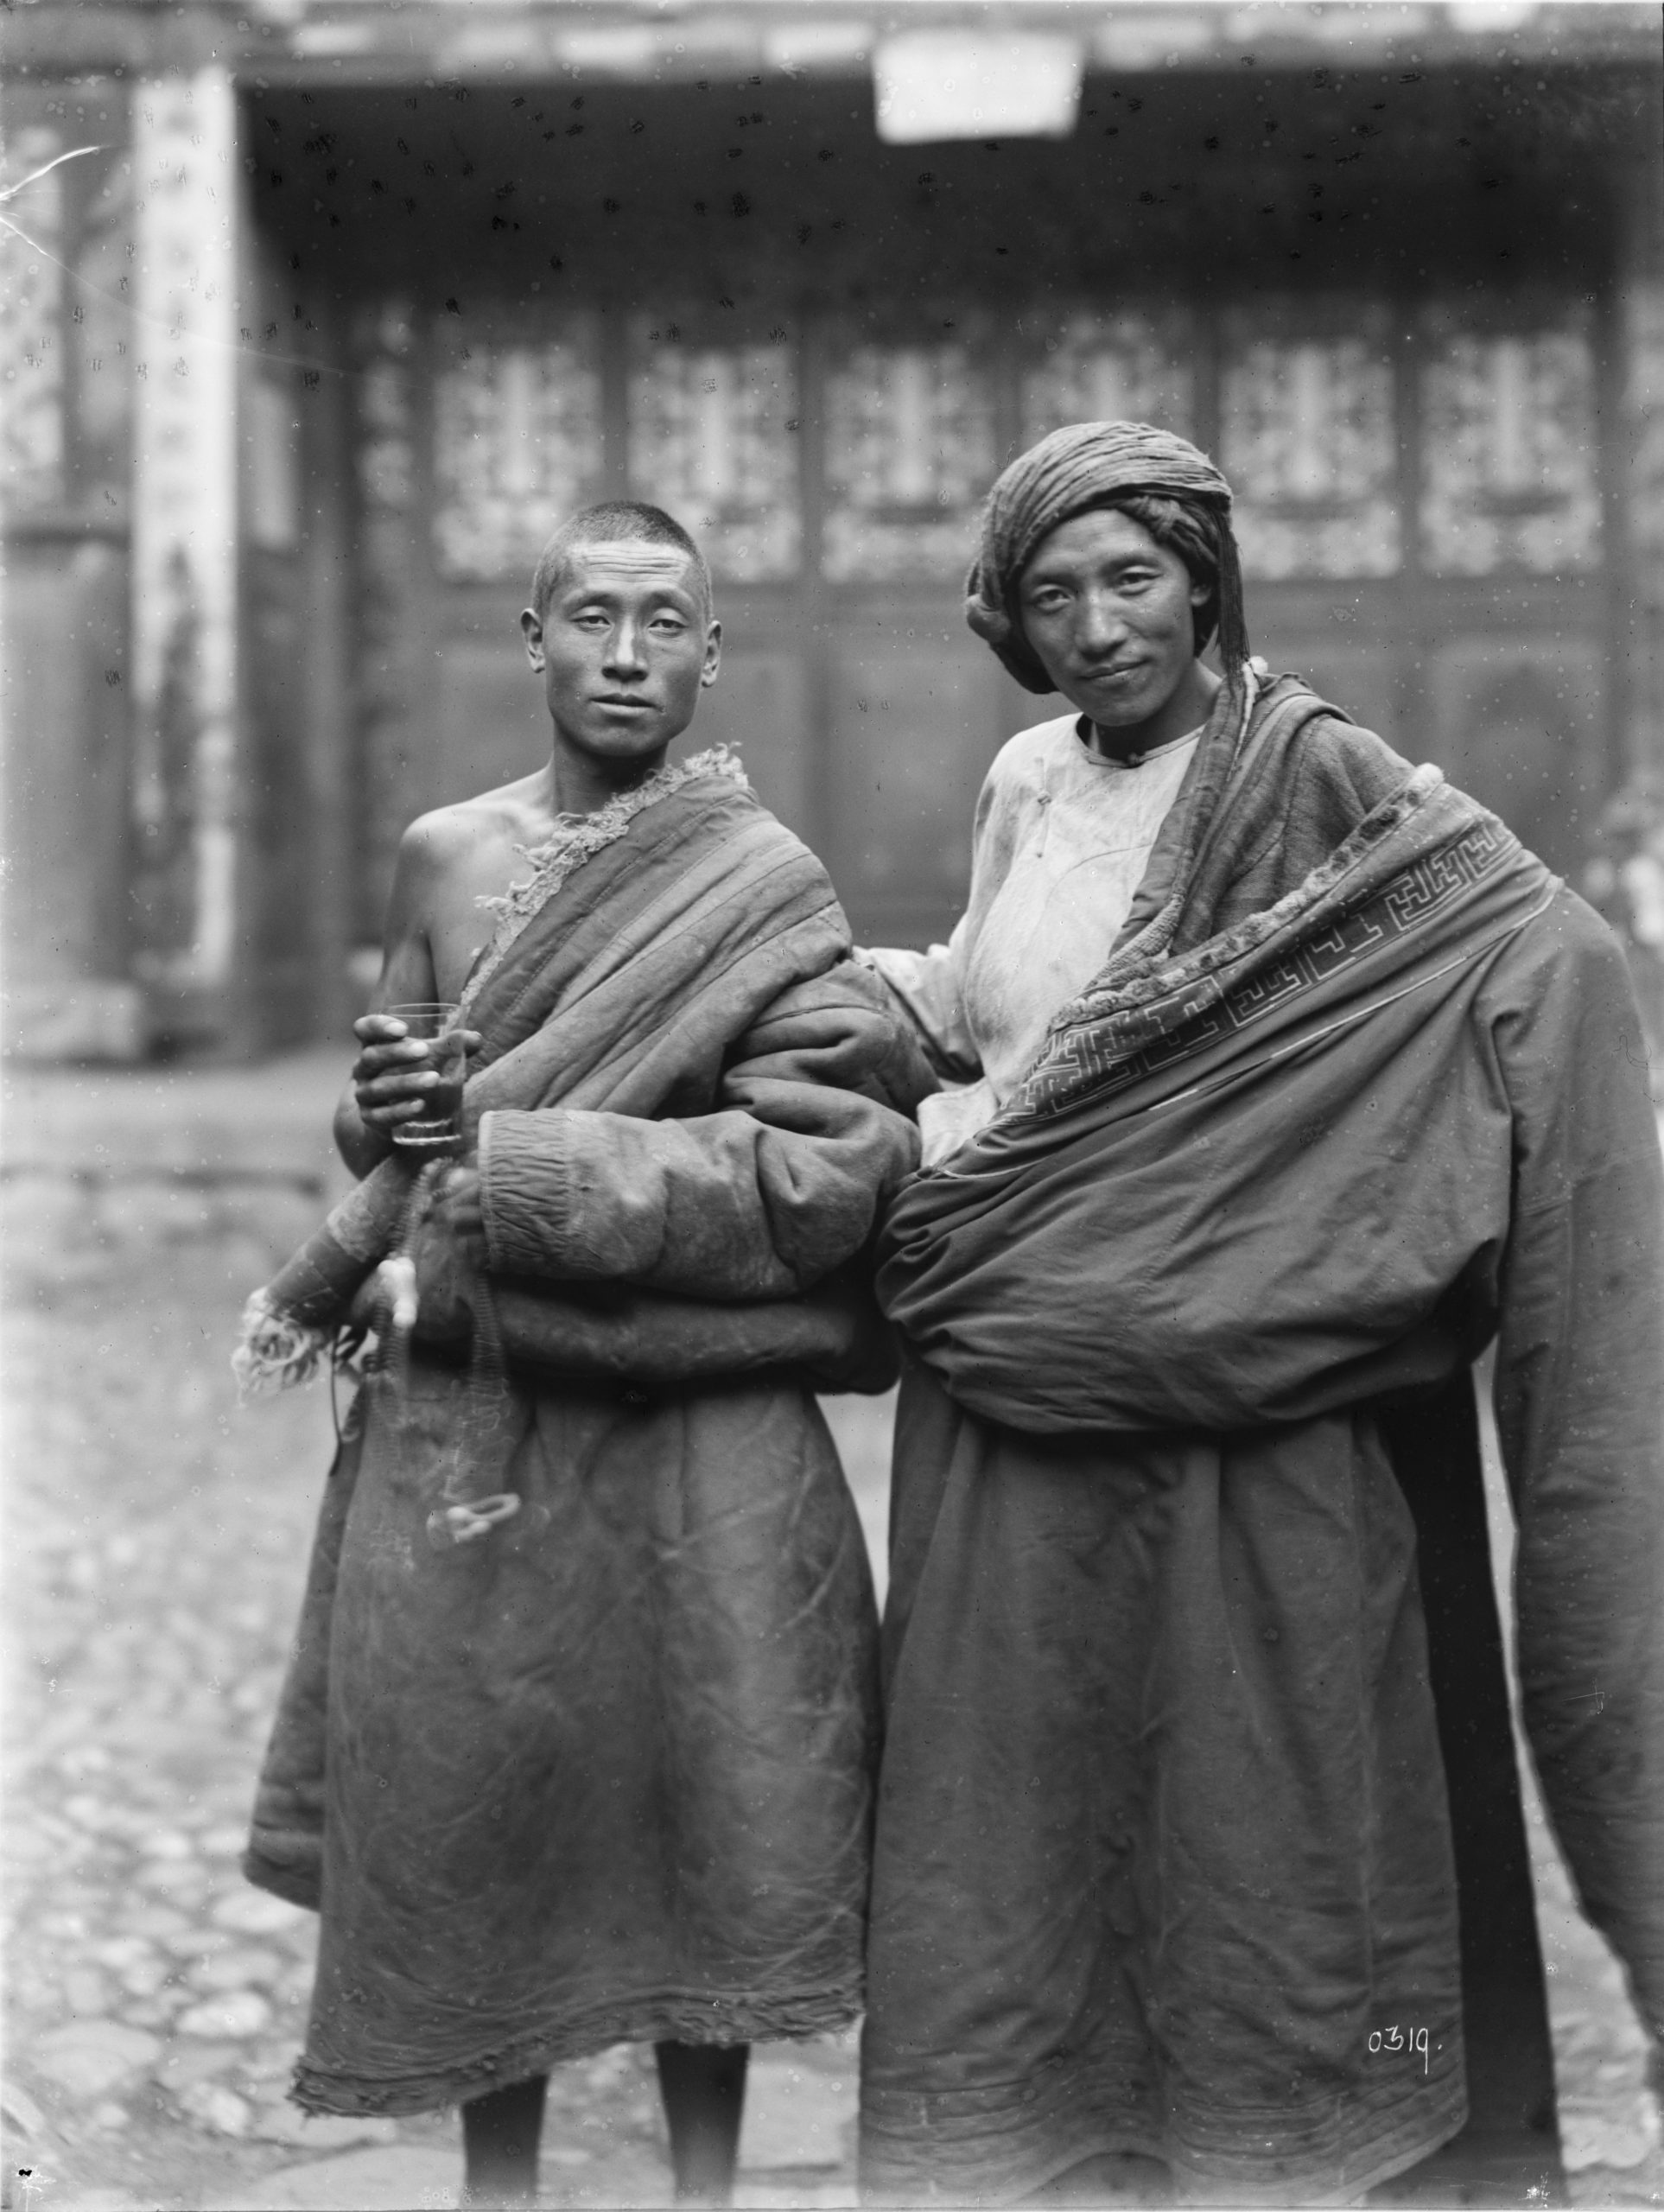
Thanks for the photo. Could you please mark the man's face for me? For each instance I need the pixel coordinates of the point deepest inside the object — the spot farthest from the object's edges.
(624, 646)
(1108, 611)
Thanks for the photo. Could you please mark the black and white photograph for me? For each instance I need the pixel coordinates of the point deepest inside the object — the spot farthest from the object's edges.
(832, 1118)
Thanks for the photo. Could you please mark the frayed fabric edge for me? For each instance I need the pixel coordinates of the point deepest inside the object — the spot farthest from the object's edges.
(578, 837)
(274, 1351)
(728, 2020)
(295, 1878)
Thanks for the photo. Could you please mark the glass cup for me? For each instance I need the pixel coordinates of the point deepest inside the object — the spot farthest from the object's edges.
(437, 1023)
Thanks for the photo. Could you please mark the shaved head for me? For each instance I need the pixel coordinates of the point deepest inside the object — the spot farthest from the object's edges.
(612, 523)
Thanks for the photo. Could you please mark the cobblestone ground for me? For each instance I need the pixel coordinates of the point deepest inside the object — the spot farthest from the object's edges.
(155, 1540)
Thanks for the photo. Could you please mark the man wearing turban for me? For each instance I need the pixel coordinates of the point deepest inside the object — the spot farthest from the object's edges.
(1280, 1084)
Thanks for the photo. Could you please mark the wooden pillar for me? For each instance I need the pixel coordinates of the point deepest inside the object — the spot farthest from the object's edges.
(66, 378)
(296, 760)
(192, 865)
(328, 736)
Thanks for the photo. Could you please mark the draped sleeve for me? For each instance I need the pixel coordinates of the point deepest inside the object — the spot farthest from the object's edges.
(1580, 1408)
(930, 989)
(762, 1198)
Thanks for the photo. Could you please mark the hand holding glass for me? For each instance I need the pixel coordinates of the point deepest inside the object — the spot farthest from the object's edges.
(431, 1081)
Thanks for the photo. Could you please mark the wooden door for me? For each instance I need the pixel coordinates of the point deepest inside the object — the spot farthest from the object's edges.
(1419, 507)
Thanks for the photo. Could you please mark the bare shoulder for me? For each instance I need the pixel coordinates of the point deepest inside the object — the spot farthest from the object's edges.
(446, 832)
(463, 834)
(450, 861)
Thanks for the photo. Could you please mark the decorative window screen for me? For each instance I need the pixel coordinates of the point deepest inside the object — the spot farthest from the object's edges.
(31, 342)
(910, 451)
(517, 447)
(100, 336)
(1093, 368)
(384, 342)
(712, 436)
(1308, 443)
(1508, 472)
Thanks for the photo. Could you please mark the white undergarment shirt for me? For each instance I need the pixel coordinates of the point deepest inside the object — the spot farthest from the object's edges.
(1062, 839)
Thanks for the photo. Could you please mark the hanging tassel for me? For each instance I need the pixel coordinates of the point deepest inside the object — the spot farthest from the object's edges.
(275, 1351)
(486, 1434)
(1233, 622)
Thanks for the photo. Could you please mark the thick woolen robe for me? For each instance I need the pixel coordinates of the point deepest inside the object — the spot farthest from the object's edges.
(1198, 1832)
(605, 1773)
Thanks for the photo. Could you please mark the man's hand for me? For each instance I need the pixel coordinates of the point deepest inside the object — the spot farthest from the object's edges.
(458, 1204)
(394, 1072)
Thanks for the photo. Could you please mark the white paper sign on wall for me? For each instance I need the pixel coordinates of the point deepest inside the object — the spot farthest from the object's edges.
(934, 85)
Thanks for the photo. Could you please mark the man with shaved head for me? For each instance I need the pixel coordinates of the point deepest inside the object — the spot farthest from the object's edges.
(617, 523)
(577, 1747)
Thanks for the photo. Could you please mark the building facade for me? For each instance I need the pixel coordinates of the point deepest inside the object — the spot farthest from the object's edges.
(349, 304)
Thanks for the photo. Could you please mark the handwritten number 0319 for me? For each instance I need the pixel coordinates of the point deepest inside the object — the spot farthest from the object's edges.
(1395, 2038)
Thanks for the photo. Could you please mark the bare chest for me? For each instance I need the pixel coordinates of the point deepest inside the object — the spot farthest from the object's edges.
(460, 924)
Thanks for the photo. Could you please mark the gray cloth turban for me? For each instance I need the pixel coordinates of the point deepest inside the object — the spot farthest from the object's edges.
(1083, 466)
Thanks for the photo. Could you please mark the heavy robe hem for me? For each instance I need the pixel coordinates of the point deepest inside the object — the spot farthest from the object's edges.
(679, 2017)
(955, 2170)
(296, 1884)
(1189, 2188)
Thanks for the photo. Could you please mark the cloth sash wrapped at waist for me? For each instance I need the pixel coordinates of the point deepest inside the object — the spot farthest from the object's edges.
(1238, 1192)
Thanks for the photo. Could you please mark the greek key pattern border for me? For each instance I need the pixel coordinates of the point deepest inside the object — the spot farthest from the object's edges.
(1085, 1062)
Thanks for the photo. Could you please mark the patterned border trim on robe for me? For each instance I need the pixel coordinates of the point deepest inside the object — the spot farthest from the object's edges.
(1081, 1064)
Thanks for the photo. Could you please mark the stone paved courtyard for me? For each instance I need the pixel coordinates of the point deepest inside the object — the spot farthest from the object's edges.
(154, 1542)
